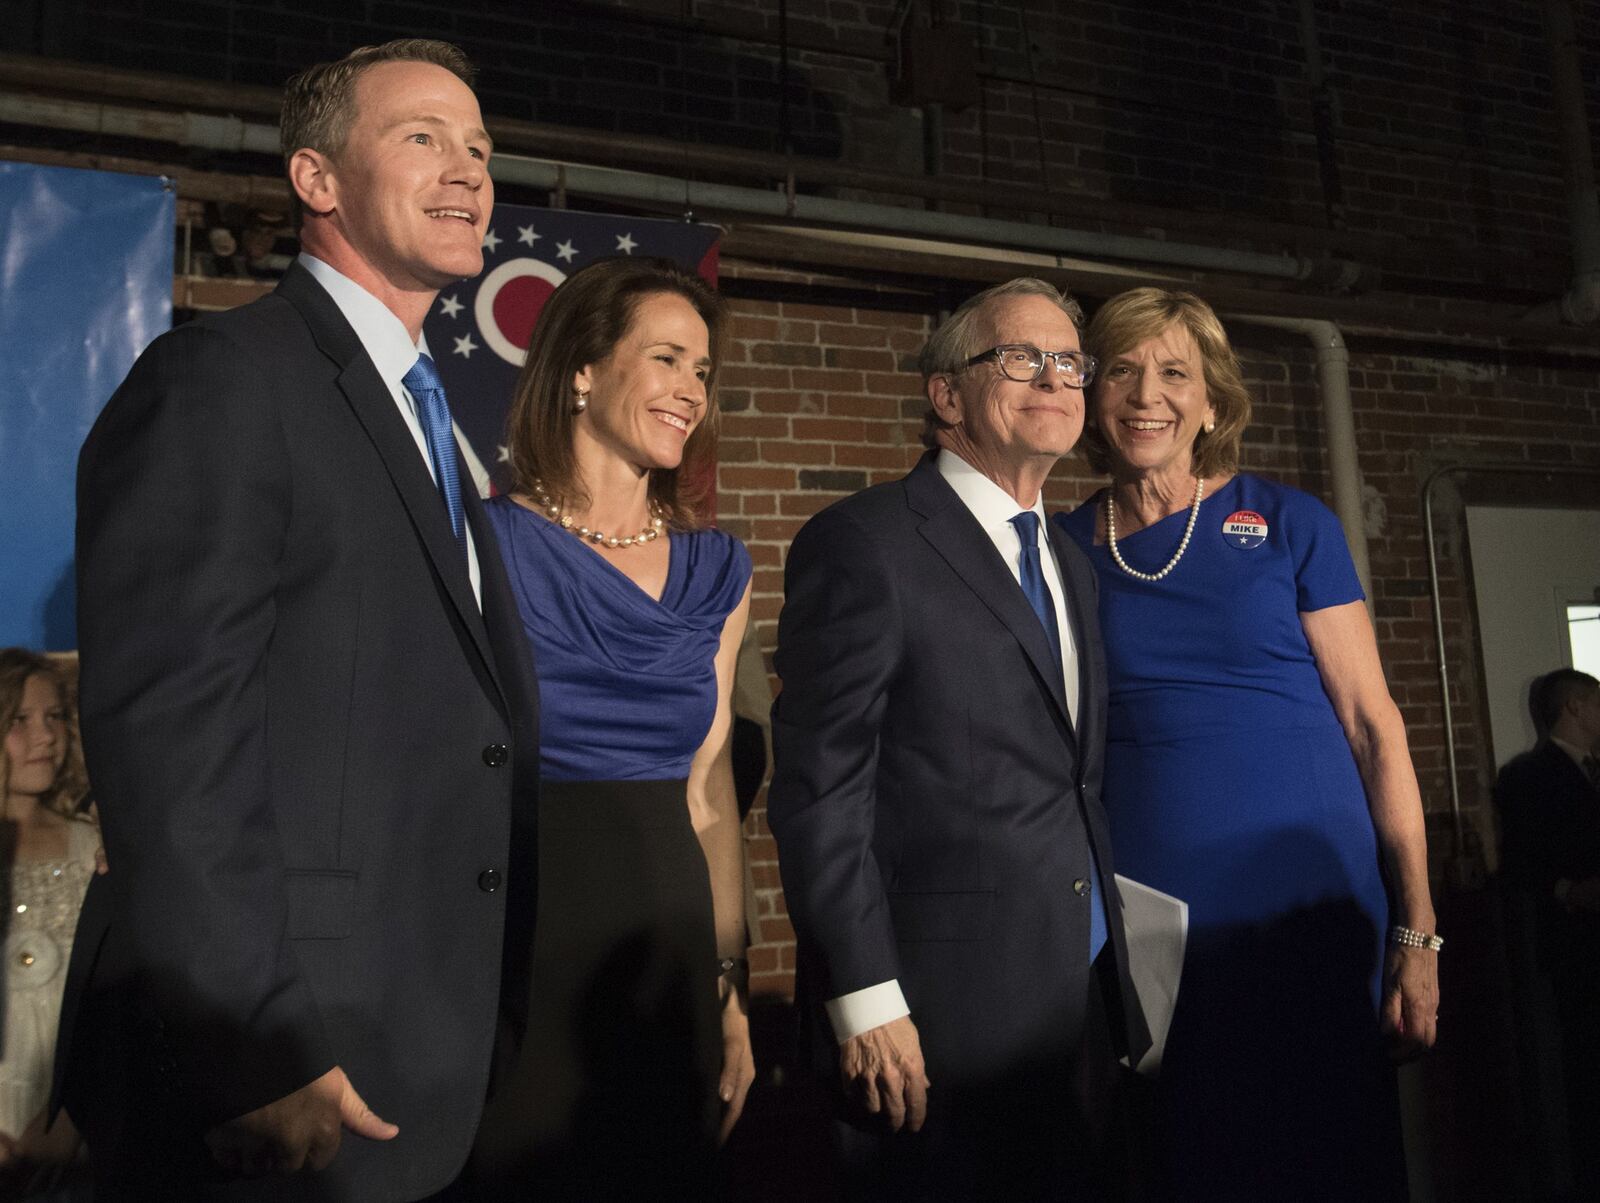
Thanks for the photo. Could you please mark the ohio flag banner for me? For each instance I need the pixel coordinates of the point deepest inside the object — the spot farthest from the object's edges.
(478, 331)
(85, 284)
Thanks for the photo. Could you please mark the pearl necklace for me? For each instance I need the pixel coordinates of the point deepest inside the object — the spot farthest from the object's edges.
(564, 521)
(1111, 534)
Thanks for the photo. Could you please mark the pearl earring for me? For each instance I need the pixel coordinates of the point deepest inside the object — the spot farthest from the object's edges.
(1211, 424)
(580, 401)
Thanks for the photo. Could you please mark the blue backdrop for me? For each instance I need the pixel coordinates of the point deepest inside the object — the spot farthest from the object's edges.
(85, 284)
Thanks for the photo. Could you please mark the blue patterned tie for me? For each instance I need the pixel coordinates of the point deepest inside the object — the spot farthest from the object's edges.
(423, 383)
(1038, 594)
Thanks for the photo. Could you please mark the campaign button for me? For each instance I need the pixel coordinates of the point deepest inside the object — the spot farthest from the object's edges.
(1244, 528)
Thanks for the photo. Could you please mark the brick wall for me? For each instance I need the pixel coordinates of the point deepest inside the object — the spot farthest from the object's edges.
(821, 400)
(818, 402)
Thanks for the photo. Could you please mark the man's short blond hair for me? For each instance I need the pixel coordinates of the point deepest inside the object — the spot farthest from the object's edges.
(319, 104)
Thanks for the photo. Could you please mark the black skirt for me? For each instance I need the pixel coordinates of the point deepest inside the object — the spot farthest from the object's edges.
(610, 1088)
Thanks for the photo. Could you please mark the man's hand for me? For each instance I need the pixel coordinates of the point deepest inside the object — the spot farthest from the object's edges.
(738, 1062)
(299, 1131)
(23, 1157)
(883, 1067)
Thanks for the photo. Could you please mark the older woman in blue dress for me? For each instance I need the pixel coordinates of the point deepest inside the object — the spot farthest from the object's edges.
(636, 1049)
(1257, 768)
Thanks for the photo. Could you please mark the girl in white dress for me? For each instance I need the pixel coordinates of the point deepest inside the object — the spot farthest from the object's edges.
(48, 857)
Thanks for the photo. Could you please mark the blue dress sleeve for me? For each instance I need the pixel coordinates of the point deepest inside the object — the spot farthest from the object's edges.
(1324, 573)
(710, 580)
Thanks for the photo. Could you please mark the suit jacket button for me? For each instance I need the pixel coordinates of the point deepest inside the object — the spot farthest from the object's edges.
(489, 880)
(494, 755)
(1081, 886)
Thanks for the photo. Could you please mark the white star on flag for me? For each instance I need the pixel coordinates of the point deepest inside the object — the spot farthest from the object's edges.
(465, 346)
(566, 251)
(625, 243)
(502, 454)
(449, 306)
(490, 241)
(526, 234)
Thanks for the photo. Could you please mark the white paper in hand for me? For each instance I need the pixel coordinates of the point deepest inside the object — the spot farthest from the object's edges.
(1157, 927)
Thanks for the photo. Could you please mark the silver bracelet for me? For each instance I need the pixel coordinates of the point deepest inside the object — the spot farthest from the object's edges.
(1408, 937)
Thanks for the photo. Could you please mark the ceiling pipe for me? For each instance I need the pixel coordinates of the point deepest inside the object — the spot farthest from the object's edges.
(152, 125)
(953, 260)
(614, 183)
(1339, 430)
(1580, 305)
(233, 134)
(26, 74)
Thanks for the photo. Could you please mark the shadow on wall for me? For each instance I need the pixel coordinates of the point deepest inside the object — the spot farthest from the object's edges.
(1189, 128)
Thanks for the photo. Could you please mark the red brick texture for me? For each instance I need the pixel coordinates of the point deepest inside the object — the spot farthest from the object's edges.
(797, 435)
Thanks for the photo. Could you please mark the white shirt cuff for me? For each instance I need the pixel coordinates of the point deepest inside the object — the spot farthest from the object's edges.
(862, 1010)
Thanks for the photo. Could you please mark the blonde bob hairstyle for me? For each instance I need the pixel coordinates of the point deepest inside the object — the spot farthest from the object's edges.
(581, 324)
(18, 666)
(1133, 317)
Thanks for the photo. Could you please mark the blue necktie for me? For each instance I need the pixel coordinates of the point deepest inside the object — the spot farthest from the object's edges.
(423, 383)
(1038, 594)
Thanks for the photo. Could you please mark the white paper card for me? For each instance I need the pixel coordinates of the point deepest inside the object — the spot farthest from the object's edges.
(1157, 927)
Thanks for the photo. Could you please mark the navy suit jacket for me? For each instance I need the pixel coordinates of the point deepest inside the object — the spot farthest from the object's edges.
(1550, 830)
(934, 807)
(316, 760)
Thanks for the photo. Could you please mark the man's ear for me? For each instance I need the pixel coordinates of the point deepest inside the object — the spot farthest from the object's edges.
(945, 399)
(312, 178)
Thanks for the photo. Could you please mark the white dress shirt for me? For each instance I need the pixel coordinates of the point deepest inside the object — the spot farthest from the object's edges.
(384, 338)
(862, 1010)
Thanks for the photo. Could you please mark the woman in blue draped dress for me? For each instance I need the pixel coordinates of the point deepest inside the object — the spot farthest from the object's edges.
(1257, 768)
(635, 1050)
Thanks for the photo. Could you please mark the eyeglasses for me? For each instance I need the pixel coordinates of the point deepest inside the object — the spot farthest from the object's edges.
(1025, 362)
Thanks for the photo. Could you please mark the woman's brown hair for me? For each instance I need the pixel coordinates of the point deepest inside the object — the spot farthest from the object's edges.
(581, 324)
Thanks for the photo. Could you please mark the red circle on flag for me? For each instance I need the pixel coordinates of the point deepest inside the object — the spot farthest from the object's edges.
(508, 303)
(517, 306)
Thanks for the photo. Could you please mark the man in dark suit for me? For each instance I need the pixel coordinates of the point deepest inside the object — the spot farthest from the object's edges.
(1549, 804)
(939, 743)
(308, 709)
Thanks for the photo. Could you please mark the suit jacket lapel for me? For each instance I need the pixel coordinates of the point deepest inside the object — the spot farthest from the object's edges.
(956, 535)
(374, 407)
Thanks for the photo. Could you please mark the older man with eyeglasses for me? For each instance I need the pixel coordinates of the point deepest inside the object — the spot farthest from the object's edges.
(939, 744)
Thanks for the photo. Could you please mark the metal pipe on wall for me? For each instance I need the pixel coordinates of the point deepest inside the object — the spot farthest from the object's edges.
(233, 134)
(153, 125)
(1339, 429)
(26, 74)
(730, 198)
